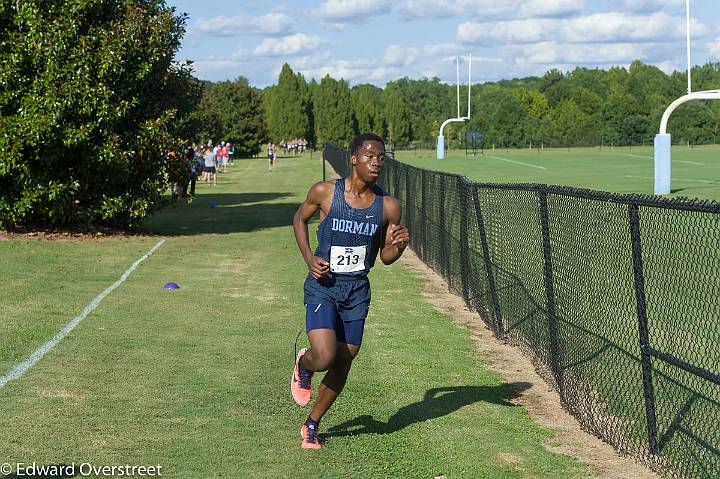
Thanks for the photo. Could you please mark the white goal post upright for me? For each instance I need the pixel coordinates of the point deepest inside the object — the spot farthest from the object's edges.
(440, 152)
(662, 145)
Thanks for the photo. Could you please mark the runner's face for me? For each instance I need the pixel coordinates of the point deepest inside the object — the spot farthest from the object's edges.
(369, 160)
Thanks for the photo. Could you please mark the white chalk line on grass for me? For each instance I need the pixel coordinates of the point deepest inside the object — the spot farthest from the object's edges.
(673, 179)
(518, 162)
(38, 354)
(689, 162)
(635, 156)
(652, 158)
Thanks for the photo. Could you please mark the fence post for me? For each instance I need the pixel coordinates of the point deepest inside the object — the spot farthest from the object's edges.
(396, 183)
(322, 160)
(464, 243)
(423, 215)
(550, 292)
(498, 326)
(409, 206)
(443, 230)
(643, 329)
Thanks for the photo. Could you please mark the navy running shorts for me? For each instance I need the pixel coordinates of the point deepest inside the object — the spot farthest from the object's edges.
(339, 303)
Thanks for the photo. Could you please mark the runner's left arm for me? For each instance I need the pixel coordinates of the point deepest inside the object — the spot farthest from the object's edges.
(397, 236)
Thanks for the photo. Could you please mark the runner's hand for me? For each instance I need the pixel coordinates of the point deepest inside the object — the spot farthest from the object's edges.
(399, 235)
(318, 267)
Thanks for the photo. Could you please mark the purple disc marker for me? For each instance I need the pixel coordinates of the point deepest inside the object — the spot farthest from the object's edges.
(171, 285)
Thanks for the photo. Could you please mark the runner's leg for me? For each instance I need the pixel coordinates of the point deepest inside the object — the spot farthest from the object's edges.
(334, 380)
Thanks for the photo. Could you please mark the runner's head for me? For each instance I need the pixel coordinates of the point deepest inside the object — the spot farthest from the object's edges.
(367, 156)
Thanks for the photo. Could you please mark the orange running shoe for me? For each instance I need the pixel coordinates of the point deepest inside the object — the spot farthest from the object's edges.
(300, 382)
(310, 438)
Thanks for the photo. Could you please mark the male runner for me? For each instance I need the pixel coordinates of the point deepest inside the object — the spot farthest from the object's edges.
(357, 220)
(271, 155)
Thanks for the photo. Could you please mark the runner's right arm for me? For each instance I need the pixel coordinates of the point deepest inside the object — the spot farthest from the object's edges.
(315, 200)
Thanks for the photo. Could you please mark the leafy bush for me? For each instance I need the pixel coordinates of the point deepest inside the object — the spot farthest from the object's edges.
(90, 103)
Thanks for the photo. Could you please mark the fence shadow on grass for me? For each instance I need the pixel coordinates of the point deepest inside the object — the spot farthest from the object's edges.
(223, 213)
(438, 402)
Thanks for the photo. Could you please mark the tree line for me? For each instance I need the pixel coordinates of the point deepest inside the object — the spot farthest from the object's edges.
(95, 113)
(582, 107)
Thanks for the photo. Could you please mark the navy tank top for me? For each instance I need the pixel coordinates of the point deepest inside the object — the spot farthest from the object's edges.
(350, 238)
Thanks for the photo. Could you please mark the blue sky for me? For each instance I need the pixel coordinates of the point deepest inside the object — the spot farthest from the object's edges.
(375, 41)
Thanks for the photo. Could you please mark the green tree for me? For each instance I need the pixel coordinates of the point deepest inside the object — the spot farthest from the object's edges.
(537, 112)
(500, 115)
(332, 111)
(288, 106)
(367, 109)
(90, 105)
(648, 85)
(617, 108)
(556, 87)
(694, 123)
(429, 103)
(232, 111)
(397, 114)
(594, 80)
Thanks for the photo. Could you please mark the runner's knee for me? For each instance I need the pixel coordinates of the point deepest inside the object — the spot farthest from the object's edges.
(345, 355)
(323, 359)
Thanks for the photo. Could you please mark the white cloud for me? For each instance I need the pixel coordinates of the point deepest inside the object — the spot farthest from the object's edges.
(288, 45)
(316, 60)
(599, 27)
(398, 55)
(513, 31)
(587, 53)
(202, 67)
(211, 65)
(549, 8)
(427, 8)
(648, 5)
(615, 26)
(274, 23)
(487, 8)
(714, 48)
(440, 49)
(356, 71)
(347, 11)
(427, 57)
(668, 66)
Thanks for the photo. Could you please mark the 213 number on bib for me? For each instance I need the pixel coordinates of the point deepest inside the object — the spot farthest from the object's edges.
(347, 259)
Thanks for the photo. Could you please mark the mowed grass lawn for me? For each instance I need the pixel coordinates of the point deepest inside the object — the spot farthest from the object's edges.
(695, 171)
(197, 379)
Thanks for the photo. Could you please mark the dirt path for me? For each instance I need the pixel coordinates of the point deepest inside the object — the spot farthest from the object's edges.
(542, 403)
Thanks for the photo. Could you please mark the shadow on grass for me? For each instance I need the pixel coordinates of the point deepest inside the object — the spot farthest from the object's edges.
(222, 214)
(697, 192)
(437, 402)
(54, 471)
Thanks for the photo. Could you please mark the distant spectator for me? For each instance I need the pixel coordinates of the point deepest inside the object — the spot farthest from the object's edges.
(225, 155)
(210, 162)
(218, 157)
(193, 167)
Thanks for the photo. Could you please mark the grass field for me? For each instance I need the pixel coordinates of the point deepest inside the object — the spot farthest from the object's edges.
(197, 379)
(695, 171)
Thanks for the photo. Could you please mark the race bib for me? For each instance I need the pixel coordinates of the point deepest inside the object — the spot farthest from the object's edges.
(347, 259)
